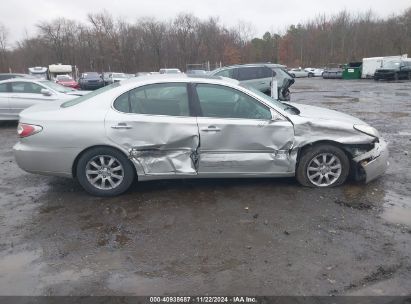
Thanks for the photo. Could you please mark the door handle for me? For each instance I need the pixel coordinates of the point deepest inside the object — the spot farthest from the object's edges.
(121, 125)
(211, 129)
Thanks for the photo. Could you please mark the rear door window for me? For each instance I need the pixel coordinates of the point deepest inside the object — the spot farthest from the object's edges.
(155, 99)
(249, 73)
(26, 87)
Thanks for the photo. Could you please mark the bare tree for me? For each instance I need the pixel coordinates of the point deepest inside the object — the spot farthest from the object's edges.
(3, 47)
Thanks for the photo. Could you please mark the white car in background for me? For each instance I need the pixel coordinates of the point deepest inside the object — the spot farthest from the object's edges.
(113, 77)
(299, 73)
(169, 71)
(18, 94)
(318, 72)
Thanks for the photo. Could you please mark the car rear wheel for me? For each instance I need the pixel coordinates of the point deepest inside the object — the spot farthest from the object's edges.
(323, 166)
(105, 172)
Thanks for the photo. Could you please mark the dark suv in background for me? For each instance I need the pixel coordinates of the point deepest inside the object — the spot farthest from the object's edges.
(259, 76)
(394, 70)
(91, 81)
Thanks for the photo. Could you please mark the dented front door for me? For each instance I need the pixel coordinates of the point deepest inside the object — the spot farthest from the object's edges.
(161, 144)
(238, 135)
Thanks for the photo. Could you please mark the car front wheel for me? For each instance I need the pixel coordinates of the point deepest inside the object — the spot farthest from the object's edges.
(323, 166)
(105, 172)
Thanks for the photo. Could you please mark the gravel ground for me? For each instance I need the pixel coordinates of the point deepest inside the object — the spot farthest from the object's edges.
(220, 237)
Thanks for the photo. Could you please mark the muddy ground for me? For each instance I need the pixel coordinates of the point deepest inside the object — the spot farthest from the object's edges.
(221, 237)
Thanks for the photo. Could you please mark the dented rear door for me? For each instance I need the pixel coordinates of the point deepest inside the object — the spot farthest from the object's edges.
(153, 123)
(238, 135)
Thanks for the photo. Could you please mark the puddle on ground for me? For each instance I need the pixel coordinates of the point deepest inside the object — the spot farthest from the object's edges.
(401, 94)
(404, 133)
(397, 208)
(360, 197)
(24, 273)
(396, 114)
(19, 273)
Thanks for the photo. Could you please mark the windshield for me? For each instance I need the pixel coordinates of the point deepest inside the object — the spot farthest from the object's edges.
(64, 77)
(91, 75)
(89, 95)
(392, 64)
(56, 87)
(39, 75)
(266, 98)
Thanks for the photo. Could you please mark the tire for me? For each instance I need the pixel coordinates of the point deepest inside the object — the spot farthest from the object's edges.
(336, 176)
(310, 75)
(115, 182)
(396, 77)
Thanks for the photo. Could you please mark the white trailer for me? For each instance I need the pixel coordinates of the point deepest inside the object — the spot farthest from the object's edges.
(60, 69)
(370, 65)
(38, 72)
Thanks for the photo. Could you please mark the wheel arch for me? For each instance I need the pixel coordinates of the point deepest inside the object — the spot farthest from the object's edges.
(74, 166)
(322, 142)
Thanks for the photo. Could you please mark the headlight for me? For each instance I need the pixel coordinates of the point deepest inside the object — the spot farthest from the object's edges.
(367, 130)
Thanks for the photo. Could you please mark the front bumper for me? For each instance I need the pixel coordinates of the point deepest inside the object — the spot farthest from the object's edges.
(386, 75)
(374, 162)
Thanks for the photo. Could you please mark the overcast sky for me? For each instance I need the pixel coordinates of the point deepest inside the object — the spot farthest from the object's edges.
(21, 16)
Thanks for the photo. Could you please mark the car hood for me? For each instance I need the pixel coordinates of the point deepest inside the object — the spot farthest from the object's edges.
(318, 113)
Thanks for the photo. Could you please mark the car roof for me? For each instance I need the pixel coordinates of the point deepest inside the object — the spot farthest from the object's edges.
(22, 79)
(267, 64)
(160, 78)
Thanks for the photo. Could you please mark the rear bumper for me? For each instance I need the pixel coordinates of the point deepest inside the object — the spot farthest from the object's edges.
(374, 162)
(45, 160)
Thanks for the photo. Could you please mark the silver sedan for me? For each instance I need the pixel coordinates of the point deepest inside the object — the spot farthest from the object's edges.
(177, 126)
(18, 94)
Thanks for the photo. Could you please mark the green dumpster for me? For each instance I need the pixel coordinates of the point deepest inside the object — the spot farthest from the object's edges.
(352, 70)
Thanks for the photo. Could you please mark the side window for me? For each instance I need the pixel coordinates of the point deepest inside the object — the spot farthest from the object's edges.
(249, 73)
(225, 73)
(224, 102)
(155, 99)
(267, 72)
(25, 87)
(4, 88)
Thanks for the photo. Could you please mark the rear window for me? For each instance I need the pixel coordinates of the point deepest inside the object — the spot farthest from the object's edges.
(155, 99)
(80, 99)
(4, 88)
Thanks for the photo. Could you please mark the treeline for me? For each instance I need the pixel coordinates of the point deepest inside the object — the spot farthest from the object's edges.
(104, 44)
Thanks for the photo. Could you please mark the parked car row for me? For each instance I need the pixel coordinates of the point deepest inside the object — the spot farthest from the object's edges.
(307, 72)
(17, 94)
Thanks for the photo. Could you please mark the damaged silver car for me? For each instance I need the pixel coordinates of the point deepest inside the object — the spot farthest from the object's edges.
(177, 126)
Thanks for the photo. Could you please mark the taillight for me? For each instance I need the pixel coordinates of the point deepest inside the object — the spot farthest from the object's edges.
(24, 130)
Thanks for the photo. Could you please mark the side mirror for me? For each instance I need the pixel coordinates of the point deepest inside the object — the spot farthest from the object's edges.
(46, 92)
